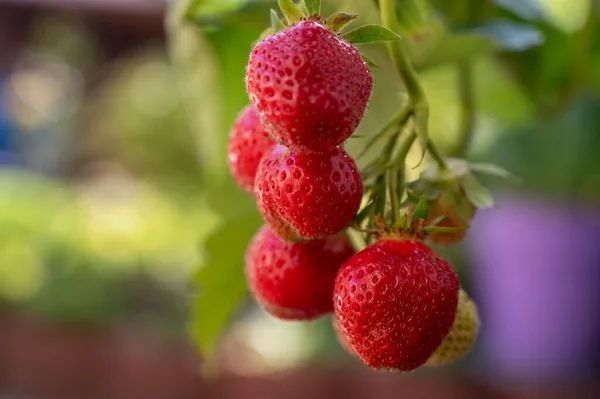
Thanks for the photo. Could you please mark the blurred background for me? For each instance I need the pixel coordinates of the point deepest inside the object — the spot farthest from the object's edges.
(122, 235)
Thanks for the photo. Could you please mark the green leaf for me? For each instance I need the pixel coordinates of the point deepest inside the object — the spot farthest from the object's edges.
(336, 22)
(493, 170)
(292, 12)
(421, 210)
(370, 34)
(276, 23)
(369, 61)
(313, 6)
(477, 194)
(221, 281)
(513, 36)
(531, 10)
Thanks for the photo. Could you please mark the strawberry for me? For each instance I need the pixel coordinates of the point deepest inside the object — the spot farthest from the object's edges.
(343, 339)
(307, 195)
(309, 86)
(395, 302)
(295, 280)
(462, 336)
(248, 141)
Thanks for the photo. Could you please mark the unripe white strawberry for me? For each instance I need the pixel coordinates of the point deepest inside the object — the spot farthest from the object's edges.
(461, 337)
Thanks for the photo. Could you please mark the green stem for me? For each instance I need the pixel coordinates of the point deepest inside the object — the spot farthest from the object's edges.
(436, 154)
(399, 58)
(418, 99)
(398, 120)
(405, 148)
(393, 191)
(467, 108)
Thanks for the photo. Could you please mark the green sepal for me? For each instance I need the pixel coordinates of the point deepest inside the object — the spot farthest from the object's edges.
(370, 34)
(380, 196)
(438, 220)
(477, 194)
(421, 210)
(493, 170)
(276, 23)
(292, 12)
(369, 61)
(336, 22)
(362, 215)
(402, 222)
(302, 6)
(313, 7)
(434, 229)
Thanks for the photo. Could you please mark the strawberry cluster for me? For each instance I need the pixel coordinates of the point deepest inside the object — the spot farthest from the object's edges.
(396, 301)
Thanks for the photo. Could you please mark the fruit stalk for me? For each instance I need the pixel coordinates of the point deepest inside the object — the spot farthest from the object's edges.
(465, 12)
(409, 77)
(467, 108)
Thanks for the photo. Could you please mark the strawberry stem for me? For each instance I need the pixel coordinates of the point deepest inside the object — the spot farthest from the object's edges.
(418, 99)
(467, 107)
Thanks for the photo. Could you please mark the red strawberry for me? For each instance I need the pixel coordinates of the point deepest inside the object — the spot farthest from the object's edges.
(295, 280)
(395, 302)
(307, 195)
(248, 141)
(310, 87)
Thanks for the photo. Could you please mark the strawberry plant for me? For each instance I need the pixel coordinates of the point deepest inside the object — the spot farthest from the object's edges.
(395, 303)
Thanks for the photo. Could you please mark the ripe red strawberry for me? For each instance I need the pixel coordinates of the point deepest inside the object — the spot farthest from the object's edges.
(307, 195)
(462, 336)
(295, 280)
(248, 142)
(310, 86)
(395, 301)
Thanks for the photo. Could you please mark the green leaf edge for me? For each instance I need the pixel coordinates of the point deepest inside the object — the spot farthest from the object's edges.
(336, 22)
(370, 61)
(491, 169)
(476, 193)
(421, 210)
(276, 23)
(368, 34)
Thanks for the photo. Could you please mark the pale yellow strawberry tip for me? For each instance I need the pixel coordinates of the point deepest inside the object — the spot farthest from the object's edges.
(462, 336)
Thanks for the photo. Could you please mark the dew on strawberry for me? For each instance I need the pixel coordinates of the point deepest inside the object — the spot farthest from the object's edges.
(395, 302)
(310, 87)
(305, 195)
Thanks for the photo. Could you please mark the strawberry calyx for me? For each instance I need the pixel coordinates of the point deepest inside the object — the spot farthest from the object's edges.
(310, 10)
